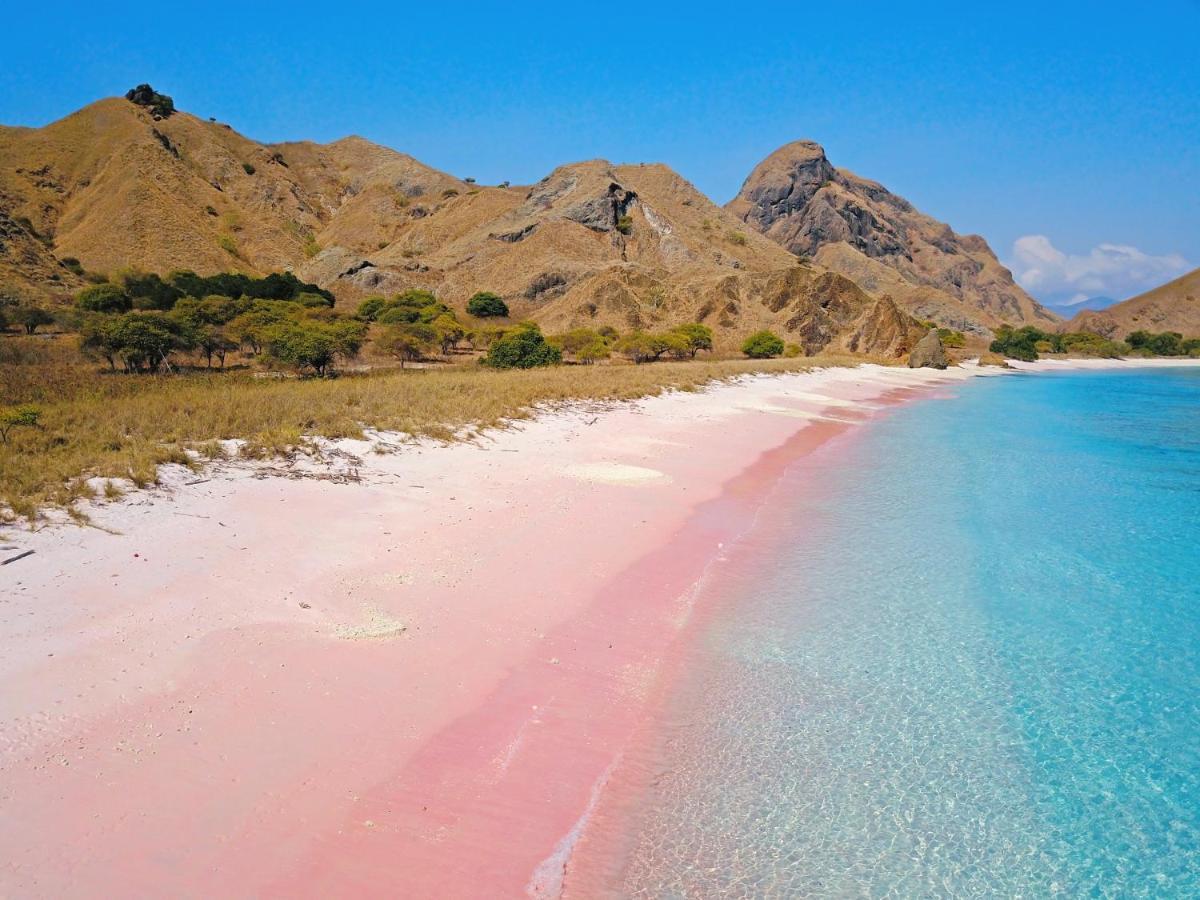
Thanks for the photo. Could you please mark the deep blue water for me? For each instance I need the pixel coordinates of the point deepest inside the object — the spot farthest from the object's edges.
(962, 661)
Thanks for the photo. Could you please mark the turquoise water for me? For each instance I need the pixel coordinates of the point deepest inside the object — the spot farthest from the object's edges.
(961, 657)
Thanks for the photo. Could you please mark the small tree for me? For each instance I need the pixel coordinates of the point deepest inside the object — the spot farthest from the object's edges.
(408, 342)
(449, 331)
(485, 304)
(591, 353)
(697, 337)
(312, 344)
(24, 416)
(522, 348)
(370, 308)
(30, 318)
(104, 298)
(211, 340)
(638, 346)
(763, 345)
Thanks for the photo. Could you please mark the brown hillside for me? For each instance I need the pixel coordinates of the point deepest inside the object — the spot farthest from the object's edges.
(859, 228)
(632, 246)
(1174, 306)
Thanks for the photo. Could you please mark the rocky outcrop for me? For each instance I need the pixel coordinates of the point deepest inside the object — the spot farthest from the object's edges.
(929, 353)
(855, 226)
(160, 105)
(602, 213)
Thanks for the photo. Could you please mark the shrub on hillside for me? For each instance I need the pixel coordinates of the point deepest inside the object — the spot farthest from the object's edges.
(952, 338)
(103, 298)
(524, 347)
(485, 304)
(763, 345)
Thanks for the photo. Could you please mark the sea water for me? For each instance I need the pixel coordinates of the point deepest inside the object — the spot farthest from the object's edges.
(960, 657)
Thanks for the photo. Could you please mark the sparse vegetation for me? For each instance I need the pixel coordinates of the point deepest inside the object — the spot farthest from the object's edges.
(228, 244)
(248, 168)
(763, 345)
(737, 237)
(114, 427)
(625, 224)
(952, 338)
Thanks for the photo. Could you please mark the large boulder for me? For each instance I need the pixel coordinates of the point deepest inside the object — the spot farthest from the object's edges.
(929, 352)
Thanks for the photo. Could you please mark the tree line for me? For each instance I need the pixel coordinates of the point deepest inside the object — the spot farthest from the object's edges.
(141, 322)
(1028, 343)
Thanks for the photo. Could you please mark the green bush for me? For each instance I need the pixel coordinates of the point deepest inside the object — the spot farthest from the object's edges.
(104, 298)
(625, 224)
(763, 345)
(485, 305)
(148, 291)
(524, 347)
(1019, 343)
(248, 168)
(1166, 343)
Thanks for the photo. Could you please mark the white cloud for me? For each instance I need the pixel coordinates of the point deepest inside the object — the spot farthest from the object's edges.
(1109, 270)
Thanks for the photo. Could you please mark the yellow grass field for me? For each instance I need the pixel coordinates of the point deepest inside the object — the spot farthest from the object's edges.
(100, 424)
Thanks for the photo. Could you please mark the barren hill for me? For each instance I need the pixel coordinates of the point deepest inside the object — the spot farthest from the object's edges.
(858, 228)
(118, 184)
(1174, 306)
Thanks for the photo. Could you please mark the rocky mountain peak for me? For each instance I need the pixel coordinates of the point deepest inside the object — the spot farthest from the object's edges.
(858, 227)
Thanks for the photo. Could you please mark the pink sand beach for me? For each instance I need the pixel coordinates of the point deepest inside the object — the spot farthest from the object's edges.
(412, 685)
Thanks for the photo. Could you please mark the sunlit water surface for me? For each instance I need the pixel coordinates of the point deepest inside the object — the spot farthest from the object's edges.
(962, 660)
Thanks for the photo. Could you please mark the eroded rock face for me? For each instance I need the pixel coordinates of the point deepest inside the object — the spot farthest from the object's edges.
(602, 213)
(799, 199)
(929, 353)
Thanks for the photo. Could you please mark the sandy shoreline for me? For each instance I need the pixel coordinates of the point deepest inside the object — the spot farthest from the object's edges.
(414, 683)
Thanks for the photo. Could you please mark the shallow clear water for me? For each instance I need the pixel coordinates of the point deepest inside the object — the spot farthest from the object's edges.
(961, 660)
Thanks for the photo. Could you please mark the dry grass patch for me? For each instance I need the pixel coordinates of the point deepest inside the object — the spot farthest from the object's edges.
(95, 424)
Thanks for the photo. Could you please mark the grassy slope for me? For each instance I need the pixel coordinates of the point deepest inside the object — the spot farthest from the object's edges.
(118, 426)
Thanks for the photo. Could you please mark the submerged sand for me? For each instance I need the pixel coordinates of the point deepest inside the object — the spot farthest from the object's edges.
(412, 685)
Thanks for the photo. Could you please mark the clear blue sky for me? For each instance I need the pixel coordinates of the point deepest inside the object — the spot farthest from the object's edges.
(1079, 122)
